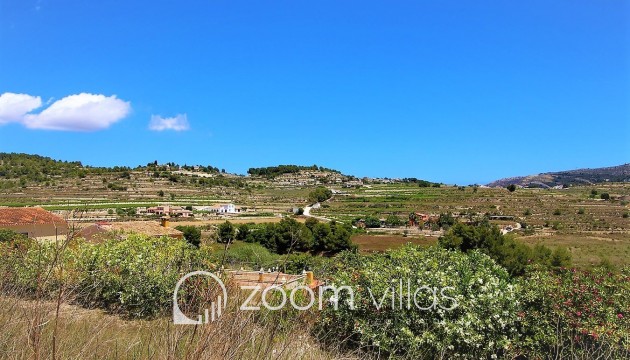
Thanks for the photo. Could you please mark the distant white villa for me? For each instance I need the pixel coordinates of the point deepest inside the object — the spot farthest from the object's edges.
(220, 209)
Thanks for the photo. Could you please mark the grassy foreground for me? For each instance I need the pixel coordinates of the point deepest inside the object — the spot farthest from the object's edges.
(31, 329)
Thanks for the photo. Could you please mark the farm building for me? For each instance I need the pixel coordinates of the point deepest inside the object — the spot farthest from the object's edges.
(105, 230)
(33, 222)
(176, 211)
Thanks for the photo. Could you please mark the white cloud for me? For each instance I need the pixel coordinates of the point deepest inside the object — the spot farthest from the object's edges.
(177, 123)
(80, 112)
(13, 106)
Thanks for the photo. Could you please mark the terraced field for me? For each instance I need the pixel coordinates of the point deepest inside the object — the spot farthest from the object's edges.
(593, 229)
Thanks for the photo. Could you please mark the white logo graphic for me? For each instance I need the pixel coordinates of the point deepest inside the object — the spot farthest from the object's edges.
(216, 307)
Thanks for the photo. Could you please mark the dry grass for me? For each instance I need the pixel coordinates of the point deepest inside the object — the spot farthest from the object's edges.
(27, 331)
(588, 249)
(381, 243)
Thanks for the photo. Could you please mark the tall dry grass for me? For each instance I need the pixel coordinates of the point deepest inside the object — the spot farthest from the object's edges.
(35, 329)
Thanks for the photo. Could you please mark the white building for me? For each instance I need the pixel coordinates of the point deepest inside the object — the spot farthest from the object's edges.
(220, 209)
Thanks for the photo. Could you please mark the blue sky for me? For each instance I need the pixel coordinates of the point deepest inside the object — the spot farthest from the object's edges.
(451, 91)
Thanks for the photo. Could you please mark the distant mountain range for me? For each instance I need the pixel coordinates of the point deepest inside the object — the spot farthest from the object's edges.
(619, 173)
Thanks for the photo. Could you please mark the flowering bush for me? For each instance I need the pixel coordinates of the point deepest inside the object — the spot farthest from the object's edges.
(576, 313)
(482, 324)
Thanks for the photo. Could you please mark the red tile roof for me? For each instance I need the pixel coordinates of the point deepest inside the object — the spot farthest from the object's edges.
(28, 216)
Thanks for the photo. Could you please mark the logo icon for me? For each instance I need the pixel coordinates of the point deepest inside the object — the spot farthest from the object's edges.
(216, 307)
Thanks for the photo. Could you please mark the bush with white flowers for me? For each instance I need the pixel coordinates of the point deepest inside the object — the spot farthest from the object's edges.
(423, 303)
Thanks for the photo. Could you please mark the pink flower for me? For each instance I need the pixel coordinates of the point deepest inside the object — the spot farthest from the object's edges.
(579, 313)
(619, 316)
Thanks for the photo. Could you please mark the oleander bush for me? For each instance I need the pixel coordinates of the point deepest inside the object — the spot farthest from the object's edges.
(575, 313)
(547, 313)
(472, 314)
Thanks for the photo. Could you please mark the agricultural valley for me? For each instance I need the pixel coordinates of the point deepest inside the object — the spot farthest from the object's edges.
(547, 240)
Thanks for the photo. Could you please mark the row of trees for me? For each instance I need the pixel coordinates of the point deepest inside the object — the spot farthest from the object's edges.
(421, 183)
(444, 221)
(273, 171)
(512, 255)
(289, 236)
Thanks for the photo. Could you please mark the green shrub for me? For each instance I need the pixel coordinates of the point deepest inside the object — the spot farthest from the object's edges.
(506, 251)
(372, 222)
(393, 221)
(296, 263)
(31, 266)
(319, 194)
(331, 238)
(482, 324)
(242, 231)
(7, 235)
(135, 276)
(225, 233)
(561, 257)
(446, 220)
(584, 313)
(192, 234)
(245, 255)
(557, 225)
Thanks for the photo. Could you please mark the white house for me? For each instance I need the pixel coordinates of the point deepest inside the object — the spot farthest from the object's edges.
(220, 209)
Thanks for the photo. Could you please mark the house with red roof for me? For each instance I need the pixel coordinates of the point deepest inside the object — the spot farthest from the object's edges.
(33, 222)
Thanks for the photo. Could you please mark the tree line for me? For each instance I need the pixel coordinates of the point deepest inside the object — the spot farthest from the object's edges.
(290, 236)
(273, 171)
(514, 256)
